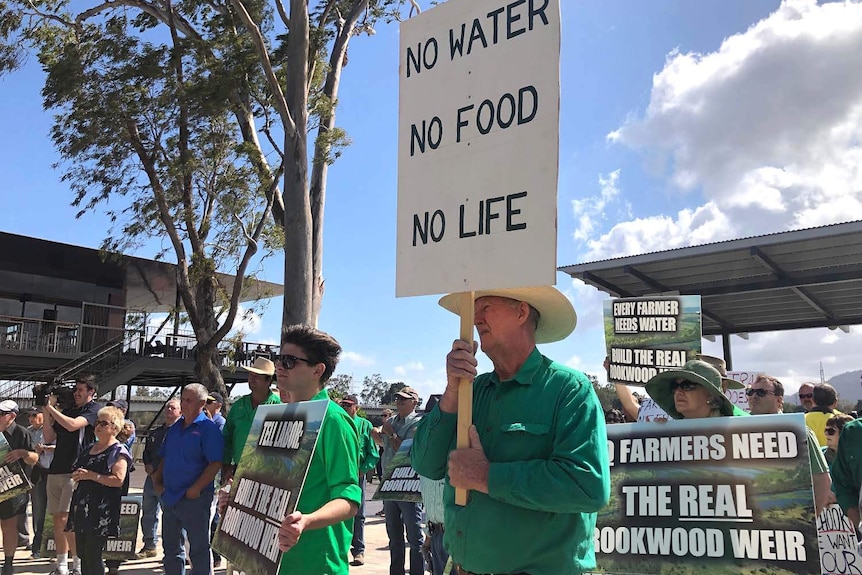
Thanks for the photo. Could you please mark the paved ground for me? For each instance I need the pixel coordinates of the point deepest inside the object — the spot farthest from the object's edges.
(376, 542)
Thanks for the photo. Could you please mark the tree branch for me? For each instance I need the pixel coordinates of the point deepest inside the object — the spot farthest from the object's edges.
(321, 22)
(73, 25)
(320, 167)
(250, 250)
(278, 95)
(183, 25)
(164, 215)
(283, 14)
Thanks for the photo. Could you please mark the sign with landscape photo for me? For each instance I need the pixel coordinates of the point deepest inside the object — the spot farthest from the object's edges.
(121, 548)
(713, 496)
(400, 482)
(267, 484)
(13, 478)
(645, 336)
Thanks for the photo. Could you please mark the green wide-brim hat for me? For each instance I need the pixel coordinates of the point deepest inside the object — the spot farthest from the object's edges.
(721, 366)
(695, 371)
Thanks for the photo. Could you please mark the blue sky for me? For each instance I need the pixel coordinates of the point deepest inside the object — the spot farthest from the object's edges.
(681, 123)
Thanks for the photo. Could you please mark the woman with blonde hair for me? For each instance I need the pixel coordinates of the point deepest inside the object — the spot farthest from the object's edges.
(99, 472)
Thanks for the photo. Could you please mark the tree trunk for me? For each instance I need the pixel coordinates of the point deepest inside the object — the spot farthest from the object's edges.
(320, 168)
(207, 361)
(298, 264)
(298, 277)
(208, 369)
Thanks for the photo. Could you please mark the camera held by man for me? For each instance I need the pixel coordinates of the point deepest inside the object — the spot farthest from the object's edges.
(64, 390)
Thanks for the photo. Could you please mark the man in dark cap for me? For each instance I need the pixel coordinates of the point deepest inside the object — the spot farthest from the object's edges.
(368, 456)
(402, 516)
(213, 409)
(22, 449)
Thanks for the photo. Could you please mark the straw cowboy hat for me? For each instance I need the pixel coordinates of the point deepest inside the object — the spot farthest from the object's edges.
(721, 366)
(557, 318)
(695, 371)
(261, 365)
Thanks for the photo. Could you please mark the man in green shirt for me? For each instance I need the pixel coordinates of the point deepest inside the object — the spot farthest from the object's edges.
(537, 468)
(847, 471)
(239, 418)
(316, 537)
(368, 456)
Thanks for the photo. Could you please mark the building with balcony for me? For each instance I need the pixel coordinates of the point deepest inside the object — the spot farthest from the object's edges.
(66, 310)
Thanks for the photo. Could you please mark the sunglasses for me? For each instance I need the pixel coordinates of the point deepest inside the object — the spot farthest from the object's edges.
(758, 392)
(831, 431)
(102, 423)
(806, 396)
(289, 361)
(684, 385)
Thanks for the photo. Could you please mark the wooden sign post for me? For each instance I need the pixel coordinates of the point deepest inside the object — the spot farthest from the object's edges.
(465, 388)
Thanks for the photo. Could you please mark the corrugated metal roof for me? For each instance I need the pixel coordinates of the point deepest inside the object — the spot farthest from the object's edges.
(789, 280)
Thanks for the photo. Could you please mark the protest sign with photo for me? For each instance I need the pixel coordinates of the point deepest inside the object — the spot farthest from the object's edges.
(122, 547)
(722, 495)
(839, 547)
(645, 336)
(13, 478)
(267, 484)
(400, 482)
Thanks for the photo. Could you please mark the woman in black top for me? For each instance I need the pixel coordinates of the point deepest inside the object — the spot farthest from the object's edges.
(99, 471)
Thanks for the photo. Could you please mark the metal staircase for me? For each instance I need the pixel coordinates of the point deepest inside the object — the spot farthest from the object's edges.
(103, 361)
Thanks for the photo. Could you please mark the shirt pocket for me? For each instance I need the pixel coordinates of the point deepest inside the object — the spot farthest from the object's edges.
(522, 441)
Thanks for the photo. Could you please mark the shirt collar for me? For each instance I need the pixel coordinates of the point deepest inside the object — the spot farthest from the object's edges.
(525, 373)
(322, 394)
(201, 416)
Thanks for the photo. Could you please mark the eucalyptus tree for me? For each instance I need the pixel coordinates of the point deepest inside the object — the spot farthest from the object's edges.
(180, 119)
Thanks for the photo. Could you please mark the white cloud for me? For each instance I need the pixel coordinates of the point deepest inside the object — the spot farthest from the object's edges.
(588, 210)
(764, 134)
(412, 367)
(643, 235)
(768, 128)
(357, 359)
(794, 356)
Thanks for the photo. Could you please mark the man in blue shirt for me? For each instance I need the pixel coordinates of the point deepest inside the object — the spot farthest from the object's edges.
(213, 407)
(191, 457)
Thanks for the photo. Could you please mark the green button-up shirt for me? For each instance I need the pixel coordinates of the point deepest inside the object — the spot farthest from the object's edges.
(238, 424)
(368, 452)
(847, 466)
(332, 474)
(543, 432)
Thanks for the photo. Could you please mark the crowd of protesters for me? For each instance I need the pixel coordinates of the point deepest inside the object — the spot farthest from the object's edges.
(528, 411)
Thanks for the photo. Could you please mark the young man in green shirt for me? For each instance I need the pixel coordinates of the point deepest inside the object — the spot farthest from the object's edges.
(240, 416)
(537, 466)
(316, 537)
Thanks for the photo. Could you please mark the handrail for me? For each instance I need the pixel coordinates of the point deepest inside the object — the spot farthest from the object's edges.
(111, 349)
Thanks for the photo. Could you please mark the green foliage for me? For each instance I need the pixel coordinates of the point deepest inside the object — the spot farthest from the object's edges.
(607, 394)
(338, 386)
(373, 390)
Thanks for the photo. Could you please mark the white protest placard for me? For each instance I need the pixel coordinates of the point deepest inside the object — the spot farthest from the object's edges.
(839, 546)
(478, 146)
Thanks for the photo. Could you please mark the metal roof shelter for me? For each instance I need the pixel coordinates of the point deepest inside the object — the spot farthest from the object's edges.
(790, 280)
